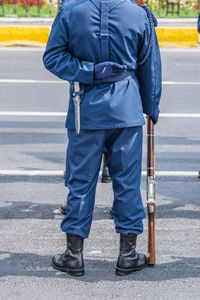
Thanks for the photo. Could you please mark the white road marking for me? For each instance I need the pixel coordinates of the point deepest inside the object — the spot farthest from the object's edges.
(33, 81)
(62, 173)
(181, 82)
(32, 114)
(56, 211)
(181, 50)
(179, 115)
(94, 252)
(170, 173)
(175, 173)
(63, 114)
(31, 173)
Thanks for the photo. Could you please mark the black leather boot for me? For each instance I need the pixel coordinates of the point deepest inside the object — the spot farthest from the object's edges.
(63, 208)
(105, 172)
(71, 261)
(111, 212)
(129, 260)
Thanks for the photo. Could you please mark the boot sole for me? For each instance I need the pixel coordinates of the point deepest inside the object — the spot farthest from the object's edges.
(63, 211)
(106, 179)
(72, 272)
(124, 272)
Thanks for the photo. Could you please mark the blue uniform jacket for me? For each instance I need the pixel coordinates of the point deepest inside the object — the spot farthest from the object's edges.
(74, 47)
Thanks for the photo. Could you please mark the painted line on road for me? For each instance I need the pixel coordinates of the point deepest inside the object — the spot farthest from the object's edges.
(31, 173)
(32, 114)
(171, 173)
(181, 82)
(181, 50)
(179, 115)
(63, 114)
(175, 173)
(62, 173)
(33, 81)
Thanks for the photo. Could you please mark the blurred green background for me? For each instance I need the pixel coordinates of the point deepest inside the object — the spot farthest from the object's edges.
(49, 8)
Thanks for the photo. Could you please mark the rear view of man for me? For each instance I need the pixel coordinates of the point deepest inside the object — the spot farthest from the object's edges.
(110, 48)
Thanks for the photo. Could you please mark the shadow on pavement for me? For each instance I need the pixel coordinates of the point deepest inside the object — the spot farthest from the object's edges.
(31, 210)
(29, 264)
(52, 156)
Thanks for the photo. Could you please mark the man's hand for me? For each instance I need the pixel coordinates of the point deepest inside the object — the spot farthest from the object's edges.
(155, 116)
(108, 69)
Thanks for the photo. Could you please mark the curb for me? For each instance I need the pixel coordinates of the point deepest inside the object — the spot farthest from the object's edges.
(24, 35)
(37, 36)
(177, 36)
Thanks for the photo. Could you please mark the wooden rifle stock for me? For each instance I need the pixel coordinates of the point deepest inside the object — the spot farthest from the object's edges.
(151, 191)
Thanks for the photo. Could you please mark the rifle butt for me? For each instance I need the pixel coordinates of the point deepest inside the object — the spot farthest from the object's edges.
(151, 235)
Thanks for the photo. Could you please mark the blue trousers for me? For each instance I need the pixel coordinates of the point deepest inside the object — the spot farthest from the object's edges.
(84, 155)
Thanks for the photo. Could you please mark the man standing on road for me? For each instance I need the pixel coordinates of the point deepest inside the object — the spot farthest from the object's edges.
(110, 48)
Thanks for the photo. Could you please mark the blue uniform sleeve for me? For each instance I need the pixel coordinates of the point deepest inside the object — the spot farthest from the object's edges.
(57, 58)
(198, 24)
(149, 71)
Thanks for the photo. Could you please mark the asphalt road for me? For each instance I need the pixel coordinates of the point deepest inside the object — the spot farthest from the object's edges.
(29, 216)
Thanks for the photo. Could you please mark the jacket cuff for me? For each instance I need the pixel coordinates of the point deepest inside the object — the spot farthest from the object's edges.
(88, 70)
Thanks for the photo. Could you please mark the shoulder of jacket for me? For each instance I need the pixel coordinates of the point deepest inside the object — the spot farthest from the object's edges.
(149, 13)
(68, 5)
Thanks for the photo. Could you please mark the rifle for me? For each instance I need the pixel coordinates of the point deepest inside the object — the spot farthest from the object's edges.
(151, 191)
(151, 188)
